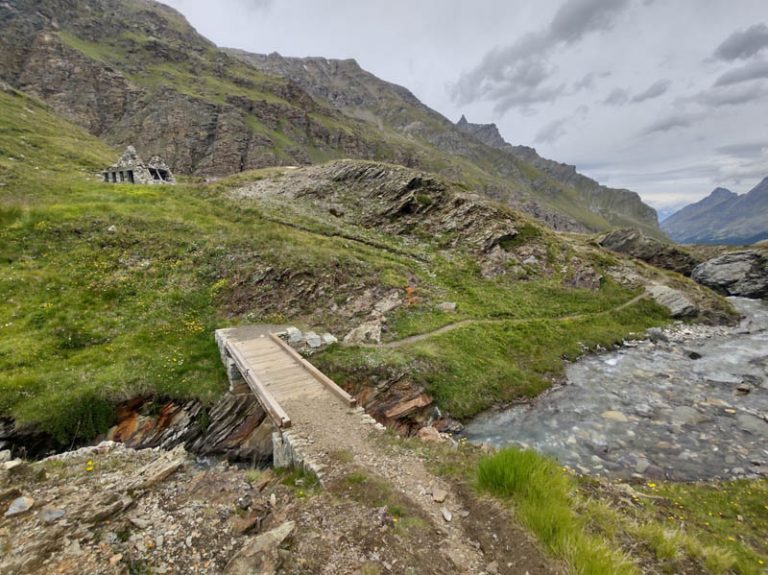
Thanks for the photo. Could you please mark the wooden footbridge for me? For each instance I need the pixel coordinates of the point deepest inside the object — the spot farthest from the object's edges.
(275, 372)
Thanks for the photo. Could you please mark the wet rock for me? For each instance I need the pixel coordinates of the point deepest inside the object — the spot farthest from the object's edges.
(693, 354)
(448, 425)
(19, 506)
(616, 416)
(737, 273)
(685, 415)
(752, 424)
(657, 335)
(743, 389)
(684, 421)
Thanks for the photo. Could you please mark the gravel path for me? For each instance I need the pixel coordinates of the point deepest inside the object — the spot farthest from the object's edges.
(465, 322)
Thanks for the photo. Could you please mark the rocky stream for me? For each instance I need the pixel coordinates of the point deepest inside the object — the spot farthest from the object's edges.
(690, 403)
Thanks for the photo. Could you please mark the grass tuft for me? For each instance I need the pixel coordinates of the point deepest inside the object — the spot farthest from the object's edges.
(541, 494)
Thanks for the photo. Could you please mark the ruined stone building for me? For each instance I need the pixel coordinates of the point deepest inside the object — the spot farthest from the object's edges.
(131, 169)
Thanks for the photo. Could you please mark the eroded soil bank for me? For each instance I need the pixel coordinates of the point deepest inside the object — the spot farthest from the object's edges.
(692, 405)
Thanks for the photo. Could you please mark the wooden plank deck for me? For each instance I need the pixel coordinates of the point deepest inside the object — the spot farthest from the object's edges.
(277, 374)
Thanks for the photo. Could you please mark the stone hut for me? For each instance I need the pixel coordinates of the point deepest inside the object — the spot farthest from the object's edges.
(131, 169)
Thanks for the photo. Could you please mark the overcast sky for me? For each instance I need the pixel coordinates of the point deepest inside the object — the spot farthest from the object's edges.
(666, 97)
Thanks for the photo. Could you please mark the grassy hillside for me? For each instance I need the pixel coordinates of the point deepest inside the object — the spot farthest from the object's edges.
(135, 72)
(114, 291)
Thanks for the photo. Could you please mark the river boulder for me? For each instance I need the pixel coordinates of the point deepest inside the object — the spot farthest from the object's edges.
(742, 273)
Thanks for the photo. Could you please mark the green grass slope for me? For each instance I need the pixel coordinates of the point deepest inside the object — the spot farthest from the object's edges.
(110, 292)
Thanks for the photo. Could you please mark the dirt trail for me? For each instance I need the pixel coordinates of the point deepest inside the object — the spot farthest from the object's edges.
(330, 428)
(456, 325)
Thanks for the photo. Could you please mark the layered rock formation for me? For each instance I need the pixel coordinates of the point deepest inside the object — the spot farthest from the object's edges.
(660, 254)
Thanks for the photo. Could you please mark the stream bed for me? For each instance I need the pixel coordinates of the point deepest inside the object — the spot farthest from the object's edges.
(693, 407)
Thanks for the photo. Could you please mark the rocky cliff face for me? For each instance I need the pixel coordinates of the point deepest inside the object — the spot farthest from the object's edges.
(619, 207)
(546, 189)
(723, 217)
(135, 72)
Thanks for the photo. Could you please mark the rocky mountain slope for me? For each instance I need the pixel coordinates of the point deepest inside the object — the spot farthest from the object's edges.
(723, 217)
(137, 73)
(360, 94)
(621, 208)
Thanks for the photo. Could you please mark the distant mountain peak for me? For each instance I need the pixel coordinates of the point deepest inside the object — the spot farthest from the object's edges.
(723, 217)
(488, 134)
(722, 193)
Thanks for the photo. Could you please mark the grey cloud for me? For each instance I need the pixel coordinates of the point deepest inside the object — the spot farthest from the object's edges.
(577, 18)
(618, 97)
(654, 91)
(516, 75)
(672, 122)
(748, 151)
(751, 71)
(732, 95)
(743, 44)
(552, 132)
(585, 83)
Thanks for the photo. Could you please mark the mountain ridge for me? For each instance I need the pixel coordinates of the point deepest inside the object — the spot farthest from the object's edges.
(138, 73)
(350, 88)
(723, 217)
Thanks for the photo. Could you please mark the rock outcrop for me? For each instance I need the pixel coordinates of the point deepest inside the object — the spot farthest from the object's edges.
(738, 273)
(678, 304)
(236, 427)
(660, 254)
(531, 180)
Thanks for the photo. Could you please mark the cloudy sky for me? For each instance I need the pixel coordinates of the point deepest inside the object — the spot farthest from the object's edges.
(665, 97)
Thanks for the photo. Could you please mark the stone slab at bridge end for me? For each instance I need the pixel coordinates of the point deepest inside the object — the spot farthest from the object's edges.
(310, 413)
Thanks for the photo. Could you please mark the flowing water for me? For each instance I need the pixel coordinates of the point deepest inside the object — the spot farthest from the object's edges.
(694, 407)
